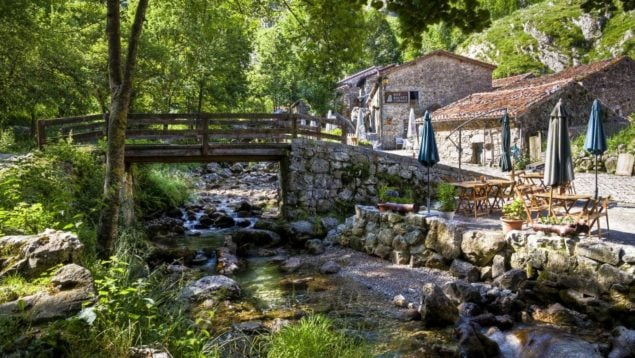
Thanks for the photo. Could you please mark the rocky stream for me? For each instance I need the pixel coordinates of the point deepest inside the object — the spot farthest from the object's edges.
(259, 274)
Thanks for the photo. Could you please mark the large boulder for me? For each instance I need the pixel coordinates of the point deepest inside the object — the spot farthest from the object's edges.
(623, 343)
(32, 255)
(480, 247)
(512, 279)
(211, 287)
(314, 246)
(72, 288)
(443, 238)
(465, 270)
(436, 309)
(256, 237)
(473, 343)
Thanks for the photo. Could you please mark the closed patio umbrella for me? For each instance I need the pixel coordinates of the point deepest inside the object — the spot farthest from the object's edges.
(505, 161)
(428, 152)
(595, 141)
(360, 130)
(558, 163)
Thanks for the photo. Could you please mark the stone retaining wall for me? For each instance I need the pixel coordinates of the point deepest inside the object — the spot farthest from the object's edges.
(323, 177)
(591, 274)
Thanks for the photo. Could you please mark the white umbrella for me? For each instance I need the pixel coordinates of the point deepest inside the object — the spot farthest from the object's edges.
(412, 127)
(360, 131)
(329, 126)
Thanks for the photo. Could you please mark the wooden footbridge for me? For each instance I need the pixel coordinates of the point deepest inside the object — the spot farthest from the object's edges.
(200, 137)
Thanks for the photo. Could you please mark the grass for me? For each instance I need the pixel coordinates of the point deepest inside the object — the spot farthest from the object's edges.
(14, 286)
(314, 336)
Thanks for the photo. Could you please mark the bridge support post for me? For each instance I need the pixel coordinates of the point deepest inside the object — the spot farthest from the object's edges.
(127, 199)
(284, 186)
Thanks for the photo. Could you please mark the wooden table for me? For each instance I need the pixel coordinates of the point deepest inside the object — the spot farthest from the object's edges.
(566, 201)
(500, 191)
(535, 178)
(473, 197)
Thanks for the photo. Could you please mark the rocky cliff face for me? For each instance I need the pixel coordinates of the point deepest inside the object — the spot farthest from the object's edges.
(551, 36)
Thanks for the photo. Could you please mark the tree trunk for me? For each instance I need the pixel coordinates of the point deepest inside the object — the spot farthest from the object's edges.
(120, 93)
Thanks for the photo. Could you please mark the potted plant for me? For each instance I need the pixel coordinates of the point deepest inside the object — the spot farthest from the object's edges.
(514, 215)
(445, 197)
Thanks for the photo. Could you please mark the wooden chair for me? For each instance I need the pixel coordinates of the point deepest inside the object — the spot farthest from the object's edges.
(533, 204)
(594, 212)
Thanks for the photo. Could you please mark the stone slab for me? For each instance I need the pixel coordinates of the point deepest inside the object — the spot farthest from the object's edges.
(625, 163)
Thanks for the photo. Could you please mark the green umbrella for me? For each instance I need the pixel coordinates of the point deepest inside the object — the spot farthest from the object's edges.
(428, 152)
(505, 161)
(558, 163)
(595, 141)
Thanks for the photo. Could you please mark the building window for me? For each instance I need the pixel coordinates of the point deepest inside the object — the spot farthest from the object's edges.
(414, 96)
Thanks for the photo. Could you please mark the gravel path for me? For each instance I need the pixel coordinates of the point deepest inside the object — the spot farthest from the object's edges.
(379, 275)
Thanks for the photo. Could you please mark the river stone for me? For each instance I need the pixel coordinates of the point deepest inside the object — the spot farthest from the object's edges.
(559, 315)
(436, 309)
(148, 352)
(301, 230)
(291, 265)
(599, 251)
(443, 238)
(72, 289)
(414, 237)
(465, 270)
(329, 223)
(211, 287)
(609, 275)
(205, 221)
(314, 246)
(237, 168)
(330, 268)
(623, 343)
(551, 342)
(32, 255)
(257, 237)
(250, 327)
(227, 261)
(512, 279)
(461, 291)
(498, 266)
(473, 343)
(480, 247)
(224, 221)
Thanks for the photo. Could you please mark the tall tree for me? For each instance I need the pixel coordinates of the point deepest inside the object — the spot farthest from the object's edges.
(120, 78)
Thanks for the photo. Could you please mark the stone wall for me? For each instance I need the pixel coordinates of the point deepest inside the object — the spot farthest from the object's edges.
(439, 80)
(327, 177)
(615, 86)
(588, 273)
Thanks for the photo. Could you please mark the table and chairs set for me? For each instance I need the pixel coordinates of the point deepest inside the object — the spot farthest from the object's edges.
(484, 196)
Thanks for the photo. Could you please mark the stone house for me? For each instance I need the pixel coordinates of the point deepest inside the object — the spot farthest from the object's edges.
(426, 83)
(529, 101)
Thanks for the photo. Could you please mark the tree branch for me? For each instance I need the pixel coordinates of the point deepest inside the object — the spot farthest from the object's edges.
(133, 44)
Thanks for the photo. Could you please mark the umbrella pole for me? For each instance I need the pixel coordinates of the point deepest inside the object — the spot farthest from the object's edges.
(428, 191)
(596, 177)
(550, 199)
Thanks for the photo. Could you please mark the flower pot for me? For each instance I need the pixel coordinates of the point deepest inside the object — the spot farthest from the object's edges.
(511, 224)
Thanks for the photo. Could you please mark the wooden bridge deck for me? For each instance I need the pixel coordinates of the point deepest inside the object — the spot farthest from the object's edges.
(201, 137)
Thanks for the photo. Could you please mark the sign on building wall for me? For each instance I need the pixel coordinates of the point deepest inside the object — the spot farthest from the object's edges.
(396, 97)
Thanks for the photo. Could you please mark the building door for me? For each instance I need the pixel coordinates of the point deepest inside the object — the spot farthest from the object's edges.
(477, 153)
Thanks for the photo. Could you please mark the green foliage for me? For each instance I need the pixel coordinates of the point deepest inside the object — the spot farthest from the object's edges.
(522, 162)
(7, 140)
(515, 210)
(555, 220)
(14, 285)
(626, 137)
(403, 196)
(314, 336)
(60, 189)
(445, 196)
(159, 188)
(512, 40)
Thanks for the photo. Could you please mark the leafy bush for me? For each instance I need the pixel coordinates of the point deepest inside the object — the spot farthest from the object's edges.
(445, 196)
(60, 188)
(159, 188)
(626, 136)
(7, 140)
(314, 336)
(515, 210)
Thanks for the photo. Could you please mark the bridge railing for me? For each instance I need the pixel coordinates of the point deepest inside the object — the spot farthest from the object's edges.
(202, 129)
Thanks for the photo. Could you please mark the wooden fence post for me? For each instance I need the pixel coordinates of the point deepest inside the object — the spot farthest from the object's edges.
(205, 135)
(41, 134)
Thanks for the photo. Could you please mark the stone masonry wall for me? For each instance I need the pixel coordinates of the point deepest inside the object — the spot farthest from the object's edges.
(327, 177)
(591, 274)
(439, 80)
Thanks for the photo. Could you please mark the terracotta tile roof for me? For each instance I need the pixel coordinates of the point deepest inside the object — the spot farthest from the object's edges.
(511, 80)
(491, 104)
(577, 73)
(439, 53)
